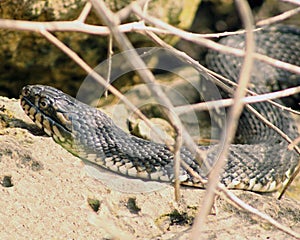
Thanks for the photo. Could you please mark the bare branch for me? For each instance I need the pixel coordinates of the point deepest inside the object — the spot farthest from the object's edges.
(292, 1)
(72, 26)
(77, 26)
(205, 106)
(279, 17)
(211, 44)
(126, 11)
(215, 77)
(254, 211)
(109, 54)
(85, 12)
(234, 115)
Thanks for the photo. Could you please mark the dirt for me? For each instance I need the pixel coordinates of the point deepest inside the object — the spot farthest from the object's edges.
(47, 194)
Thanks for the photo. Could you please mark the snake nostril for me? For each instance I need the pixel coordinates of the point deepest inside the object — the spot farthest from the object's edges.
(25, 91)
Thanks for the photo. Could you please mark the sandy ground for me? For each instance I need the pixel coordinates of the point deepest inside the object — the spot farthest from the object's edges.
(50, 195)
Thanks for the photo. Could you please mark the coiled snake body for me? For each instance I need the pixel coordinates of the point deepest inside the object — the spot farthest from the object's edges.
(259, 161)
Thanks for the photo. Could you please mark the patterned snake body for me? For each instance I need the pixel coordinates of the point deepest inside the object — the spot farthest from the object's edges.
(260, 161)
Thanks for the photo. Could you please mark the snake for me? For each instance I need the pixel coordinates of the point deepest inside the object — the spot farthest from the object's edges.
(258, 159)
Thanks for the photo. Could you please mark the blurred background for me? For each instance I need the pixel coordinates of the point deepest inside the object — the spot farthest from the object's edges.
(28, 58)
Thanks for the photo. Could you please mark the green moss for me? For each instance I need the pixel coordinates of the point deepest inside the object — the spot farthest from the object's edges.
(94, 204)
(132, 206)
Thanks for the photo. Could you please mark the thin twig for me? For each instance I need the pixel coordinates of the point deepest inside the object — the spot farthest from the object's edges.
(234, 114)
(279, 17)
(73, 26)
(297, 2)
(177, 145)
(254, 211)
(85, 12)
(294, 175)
(124, 13)
(109, 54)
(177, 162)
(215, 76)
(294, 143)
(78, 26)
(205, 106)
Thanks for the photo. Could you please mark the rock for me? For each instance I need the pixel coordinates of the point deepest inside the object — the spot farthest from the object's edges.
(182, 88)
(160, 131)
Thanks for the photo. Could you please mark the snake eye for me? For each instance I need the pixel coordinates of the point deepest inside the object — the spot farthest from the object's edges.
(43, 103)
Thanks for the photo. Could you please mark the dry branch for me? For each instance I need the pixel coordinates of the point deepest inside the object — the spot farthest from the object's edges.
(205, 106)
(232, 122)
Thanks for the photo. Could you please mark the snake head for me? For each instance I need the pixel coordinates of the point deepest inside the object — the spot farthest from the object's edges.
(49, 110)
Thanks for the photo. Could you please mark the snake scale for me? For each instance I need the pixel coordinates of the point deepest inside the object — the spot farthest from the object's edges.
(258, 160)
